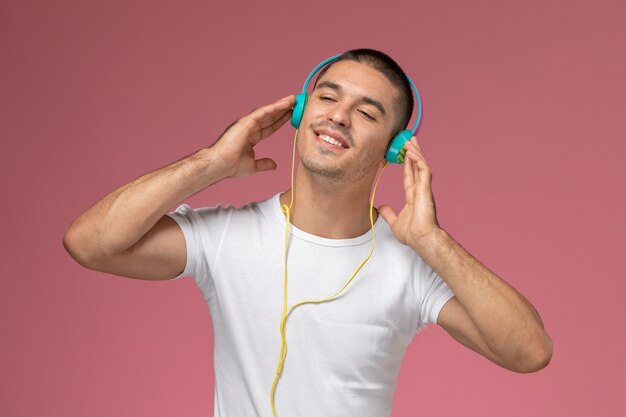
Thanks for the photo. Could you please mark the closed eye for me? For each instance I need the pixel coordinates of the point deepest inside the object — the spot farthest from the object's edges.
(332, 100)
(367, 115)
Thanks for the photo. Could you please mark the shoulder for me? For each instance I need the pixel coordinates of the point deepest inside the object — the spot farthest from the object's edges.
(387, 242)
(402, 255)
(226, 210)
(265, 209)
(207, 225)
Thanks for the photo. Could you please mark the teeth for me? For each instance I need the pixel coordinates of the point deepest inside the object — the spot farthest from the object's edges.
(330, 140)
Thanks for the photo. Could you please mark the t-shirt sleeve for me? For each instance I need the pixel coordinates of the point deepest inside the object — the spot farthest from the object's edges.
(433, 293)
(203, 229)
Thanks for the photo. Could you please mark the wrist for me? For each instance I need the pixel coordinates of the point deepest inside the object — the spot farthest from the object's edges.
(428, 240)
(209, 163)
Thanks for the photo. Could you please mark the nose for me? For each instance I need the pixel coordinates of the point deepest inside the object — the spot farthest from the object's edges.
(340, 114)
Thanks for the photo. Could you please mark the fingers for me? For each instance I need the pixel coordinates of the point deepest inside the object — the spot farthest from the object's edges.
(409, 180)
(267, 115)
(264, 164)
(279, 107)
(419, 167)
(388, 214)
(290, 98)
(267, 131)
(266, 120)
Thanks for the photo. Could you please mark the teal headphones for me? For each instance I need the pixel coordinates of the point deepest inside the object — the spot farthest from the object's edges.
(396, 150)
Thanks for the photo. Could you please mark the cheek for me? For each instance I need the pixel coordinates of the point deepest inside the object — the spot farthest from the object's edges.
(379, 144)
(311, 113)
(374, 152)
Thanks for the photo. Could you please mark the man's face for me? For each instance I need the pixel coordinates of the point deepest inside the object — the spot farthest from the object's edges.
(348, 121)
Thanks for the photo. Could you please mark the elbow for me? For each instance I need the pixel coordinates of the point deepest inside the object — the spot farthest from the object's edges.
(537, 356)
(78, 245)
(546, 353)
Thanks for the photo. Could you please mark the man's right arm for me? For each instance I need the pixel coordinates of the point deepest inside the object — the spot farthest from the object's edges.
(127, 232)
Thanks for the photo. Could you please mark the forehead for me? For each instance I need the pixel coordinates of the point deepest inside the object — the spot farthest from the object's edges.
(361, 80)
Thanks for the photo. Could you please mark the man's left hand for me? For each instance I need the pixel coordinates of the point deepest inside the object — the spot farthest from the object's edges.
(418, 219)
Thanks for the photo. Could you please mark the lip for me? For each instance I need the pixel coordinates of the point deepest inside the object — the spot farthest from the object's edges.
(333, 135)
(329, 146)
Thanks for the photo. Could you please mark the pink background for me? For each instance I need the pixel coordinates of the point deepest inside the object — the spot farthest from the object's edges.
(524, 131)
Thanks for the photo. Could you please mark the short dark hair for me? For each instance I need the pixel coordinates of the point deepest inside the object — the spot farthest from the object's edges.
(391, 70)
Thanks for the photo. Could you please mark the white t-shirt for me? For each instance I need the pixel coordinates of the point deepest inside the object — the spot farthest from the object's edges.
(343, 355)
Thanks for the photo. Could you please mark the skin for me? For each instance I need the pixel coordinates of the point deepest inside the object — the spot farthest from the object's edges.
(486, 314)
(127, 233)
(333, 185)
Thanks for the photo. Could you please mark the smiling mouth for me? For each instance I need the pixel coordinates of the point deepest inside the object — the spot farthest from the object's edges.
(330, 140)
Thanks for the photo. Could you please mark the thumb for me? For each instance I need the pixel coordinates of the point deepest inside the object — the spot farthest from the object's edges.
(388, 214)
(264, 164)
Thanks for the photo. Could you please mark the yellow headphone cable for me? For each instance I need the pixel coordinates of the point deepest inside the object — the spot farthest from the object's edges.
(286, 210)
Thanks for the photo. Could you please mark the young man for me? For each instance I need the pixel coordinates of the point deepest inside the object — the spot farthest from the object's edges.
(344, 354)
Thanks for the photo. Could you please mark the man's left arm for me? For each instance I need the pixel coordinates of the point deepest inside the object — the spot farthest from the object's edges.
(486, 314)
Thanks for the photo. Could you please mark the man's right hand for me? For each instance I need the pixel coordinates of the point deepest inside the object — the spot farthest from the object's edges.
(235, 147)
(127, 232)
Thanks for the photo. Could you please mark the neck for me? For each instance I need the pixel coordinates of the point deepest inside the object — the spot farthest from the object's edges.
(330, 208)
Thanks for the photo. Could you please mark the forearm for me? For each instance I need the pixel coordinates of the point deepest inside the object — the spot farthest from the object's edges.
(120, 219)
(508, 323)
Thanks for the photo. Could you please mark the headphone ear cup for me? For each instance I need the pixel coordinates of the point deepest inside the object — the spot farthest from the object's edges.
(396, 150)
(298, 109)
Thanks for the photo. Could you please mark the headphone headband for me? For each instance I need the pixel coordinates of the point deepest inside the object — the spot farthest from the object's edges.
(317, 68)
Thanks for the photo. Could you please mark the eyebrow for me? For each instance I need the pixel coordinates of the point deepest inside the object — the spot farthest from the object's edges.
(364, 99)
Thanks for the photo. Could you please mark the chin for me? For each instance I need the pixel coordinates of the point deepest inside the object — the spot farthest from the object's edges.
(322, 169)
